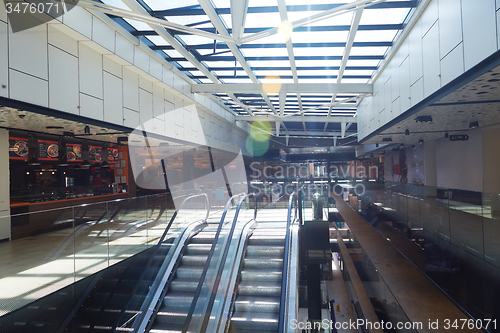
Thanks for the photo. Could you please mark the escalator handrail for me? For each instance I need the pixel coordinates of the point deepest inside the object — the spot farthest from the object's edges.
(295, 196)
(144, 308)
(212, 250)
(207, 207)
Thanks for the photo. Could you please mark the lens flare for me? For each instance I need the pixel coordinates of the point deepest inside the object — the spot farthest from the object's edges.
(286, 29)
(271, 85)
(256, 148)
(260, 130)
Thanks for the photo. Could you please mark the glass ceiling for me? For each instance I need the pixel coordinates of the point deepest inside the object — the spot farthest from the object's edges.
(330, 50)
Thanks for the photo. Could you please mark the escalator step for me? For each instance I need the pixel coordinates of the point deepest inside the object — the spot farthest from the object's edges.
(265, 251)
(250, 288)
(194, 260)
(170, 317)
(265, 240)
(254, 321)
(263, 263)
(203, 238)
(198, 249)
(160, 328)
(257, 304)
(189, 273)
(258, 275)
(184, 286)
(178, 299)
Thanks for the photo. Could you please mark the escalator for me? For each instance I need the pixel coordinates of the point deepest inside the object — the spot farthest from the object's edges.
(257, 304)
(173, 311)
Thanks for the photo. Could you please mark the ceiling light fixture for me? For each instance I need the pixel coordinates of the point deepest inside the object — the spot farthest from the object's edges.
(473, 124)
(446, 135)
(387, 139)
(420, 141)
(407, 132)
(423, 119)
(87, 129)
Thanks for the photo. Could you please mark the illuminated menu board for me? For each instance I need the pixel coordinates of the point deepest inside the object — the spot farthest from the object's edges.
(74, 152)
(18, 149)
(48, 150)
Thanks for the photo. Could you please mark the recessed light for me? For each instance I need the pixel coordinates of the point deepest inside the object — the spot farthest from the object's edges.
(423, 119)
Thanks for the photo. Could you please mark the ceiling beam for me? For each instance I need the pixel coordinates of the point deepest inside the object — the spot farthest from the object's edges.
(238, 17)
(209, 9)
(315, 119)
(147, 18)
(347, 51)
(325, 88)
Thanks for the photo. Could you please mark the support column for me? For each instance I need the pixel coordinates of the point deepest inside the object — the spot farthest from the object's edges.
(5, 229)
(188, 169)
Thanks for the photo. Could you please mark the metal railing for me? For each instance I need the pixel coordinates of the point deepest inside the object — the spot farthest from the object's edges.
(296, 198)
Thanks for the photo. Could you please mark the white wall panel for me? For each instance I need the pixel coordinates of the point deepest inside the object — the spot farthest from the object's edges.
(168, 77)
(429, 17)
(405, 51)
(158, 101)
(169, 106)
(113, 99)
(415, 47)
(90, 66)
(404, 85)
(145, 83)
(452, 65)
(450, 25)
(80, 20)
(4, 60)
(388, 95)
(417, 92)
(141, 59)
(112, 67)
(146, 105)
(430, 44)
(479, 28)
(28, 51)
(3, 14)
(155, 68)
(63, 81)
(62, 41)
(395, 83)
(130, 118)
(396, 108)
(103, 35)
(124, 48)
(91, 107)
(27, 88)
(130, 89)
(498, 30)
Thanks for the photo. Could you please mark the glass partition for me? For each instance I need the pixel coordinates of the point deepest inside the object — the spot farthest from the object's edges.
(82, 243)
(450, 234)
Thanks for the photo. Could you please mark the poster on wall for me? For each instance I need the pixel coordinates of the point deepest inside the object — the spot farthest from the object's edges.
(18, 149)
(113, 155)
(48, 150)
(95, 154)
(73, 152)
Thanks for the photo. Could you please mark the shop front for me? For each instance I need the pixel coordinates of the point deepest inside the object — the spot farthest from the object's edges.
(49, 173)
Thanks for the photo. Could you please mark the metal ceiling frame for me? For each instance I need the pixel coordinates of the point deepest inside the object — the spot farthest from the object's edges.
(357, 88)
(238, 38)
(313, 18)
(219, 25)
